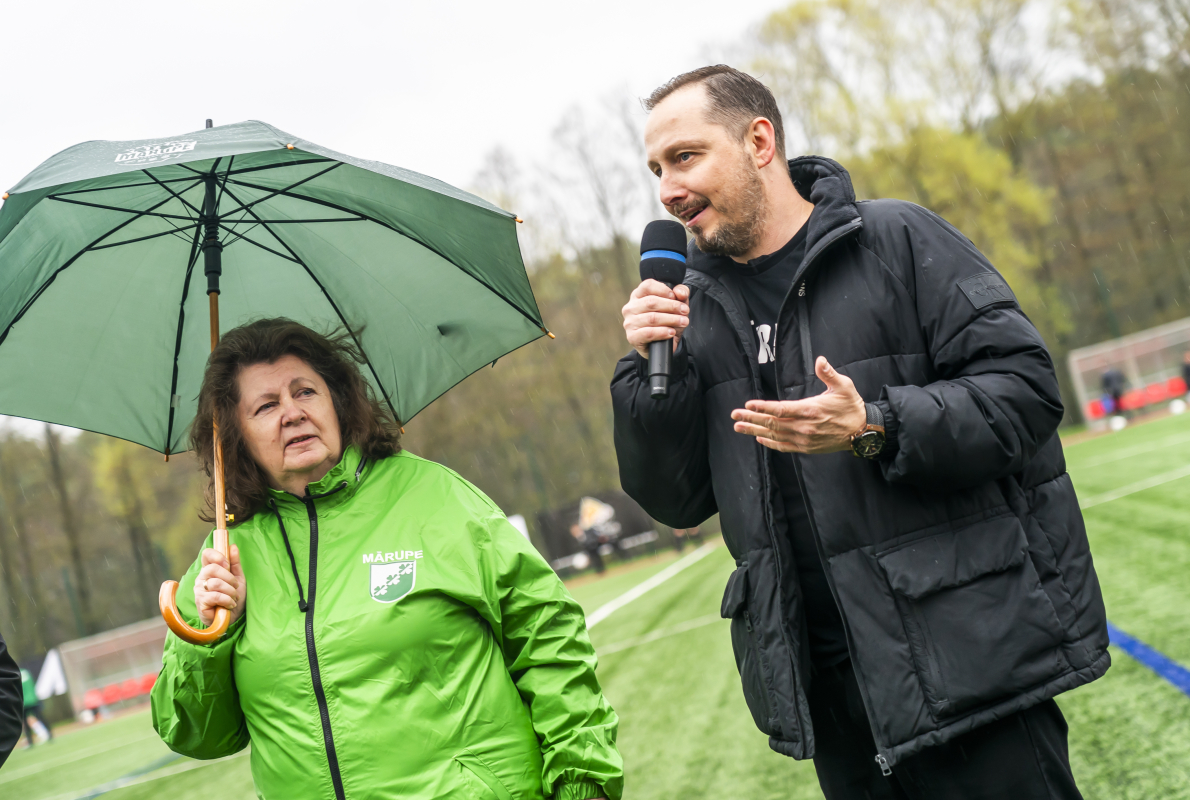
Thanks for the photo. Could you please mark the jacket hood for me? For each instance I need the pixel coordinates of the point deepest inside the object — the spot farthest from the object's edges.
(821, 181)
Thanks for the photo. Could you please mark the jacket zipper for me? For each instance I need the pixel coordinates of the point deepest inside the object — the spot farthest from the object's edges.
(803, 313)
(332, 758)
(750, 351)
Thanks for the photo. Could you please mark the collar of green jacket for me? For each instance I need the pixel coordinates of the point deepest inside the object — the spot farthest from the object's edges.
(333, 488)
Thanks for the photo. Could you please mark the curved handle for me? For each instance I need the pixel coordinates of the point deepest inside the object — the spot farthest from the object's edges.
(169, 607)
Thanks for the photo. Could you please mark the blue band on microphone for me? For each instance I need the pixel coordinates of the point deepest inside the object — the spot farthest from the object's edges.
(663, 254)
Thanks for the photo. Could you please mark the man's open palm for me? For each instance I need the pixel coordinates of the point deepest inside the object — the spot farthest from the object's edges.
(820, 424)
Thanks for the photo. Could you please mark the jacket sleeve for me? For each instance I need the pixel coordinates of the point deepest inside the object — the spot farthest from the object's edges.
(543, 634)
(196, 708)
(661, 445)
(12, 703)
(996, 399)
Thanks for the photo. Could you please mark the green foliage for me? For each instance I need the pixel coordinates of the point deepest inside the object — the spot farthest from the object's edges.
(974, 186)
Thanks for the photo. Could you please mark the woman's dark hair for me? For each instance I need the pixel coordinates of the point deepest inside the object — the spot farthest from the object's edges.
(363, 420)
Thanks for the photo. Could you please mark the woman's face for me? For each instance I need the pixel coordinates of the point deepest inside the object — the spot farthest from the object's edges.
(289, 423)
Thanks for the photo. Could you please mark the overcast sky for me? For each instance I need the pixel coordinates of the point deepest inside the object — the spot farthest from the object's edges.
(429, 86)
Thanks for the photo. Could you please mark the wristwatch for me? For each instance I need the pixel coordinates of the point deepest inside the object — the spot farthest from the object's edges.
(868, 441)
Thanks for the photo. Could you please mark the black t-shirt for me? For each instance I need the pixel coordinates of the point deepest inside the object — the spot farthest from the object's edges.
(764, 282)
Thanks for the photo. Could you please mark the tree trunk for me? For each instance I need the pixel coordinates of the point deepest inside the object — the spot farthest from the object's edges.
(70, 528)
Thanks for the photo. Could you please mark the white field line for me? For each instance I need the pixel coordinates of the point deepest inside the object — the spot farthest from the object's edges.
(607, 609)
(86, 752)
(1129, 452)
(166, 772)
(1138, 486)
(662, 633)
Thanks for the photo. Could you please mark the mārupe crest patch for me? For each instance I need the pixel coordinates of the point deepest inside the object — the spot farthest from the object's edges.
(391, 582)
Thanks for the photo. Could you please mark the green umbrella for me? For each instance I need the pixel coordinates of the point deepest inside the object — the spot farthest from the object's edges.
(119, 262)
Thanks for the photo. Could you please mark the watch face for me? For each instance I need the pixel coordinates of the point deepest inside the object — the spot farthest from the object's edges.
(869, 444)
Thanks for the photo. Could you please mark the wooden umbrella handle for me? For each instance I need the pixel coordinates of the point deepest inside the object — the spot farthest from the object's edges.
(168, 598)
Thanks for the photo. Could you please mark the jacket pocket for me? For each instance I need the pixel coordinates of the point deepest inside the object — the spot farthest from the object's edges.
(749, 656)
(979, 624)
(479, 779)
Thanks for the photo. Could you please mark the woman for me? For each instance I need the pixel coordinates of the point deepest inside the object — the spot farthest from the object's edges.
(392, 635)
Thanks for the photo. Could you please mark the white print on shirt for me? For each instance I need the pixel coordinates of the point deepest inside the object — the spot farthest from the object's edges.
(767, 353)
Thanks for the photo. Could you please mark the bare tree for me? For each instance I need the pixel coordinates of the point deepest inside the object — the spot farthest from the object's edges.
(70, 529)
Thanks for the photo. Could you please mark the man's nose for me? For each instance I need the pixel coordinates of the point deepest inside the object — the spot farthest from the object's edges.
(672, 191)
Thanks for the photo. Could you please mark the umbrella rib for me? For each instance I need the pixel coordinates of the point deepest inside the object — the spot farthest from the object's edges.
(124, 186)
(277, 253)
(174, 232)
(333, 305)
(434, 250)
(175, 194)
(275, 192)
(126, 210)
(40, 289)
(276, 166)
(173, 386)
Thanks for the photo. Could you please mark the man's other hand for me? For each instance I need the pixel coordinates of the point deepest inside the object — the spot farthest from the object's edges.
(820, 424)
(656, 312)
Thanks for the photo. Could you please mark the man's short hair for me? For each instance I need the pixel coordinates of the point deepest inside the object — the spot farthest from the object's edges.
(734, 99)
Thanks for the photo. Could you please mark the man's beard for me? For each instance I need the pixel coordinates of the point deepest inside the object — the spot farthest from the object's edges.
(741, 213)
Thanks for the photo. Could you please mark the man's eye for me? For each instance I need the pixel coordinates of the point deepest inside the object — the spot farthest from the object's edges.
(683, 157)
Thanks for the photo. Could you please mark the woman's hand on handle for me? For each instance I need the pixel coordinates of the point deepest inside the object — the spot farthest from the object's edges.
(220, 585)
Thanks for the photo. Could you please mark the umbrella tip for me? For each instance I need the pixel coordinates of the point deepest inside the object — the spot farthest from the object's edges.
(210, 123)
(548, 333)
(518, 219)
(288, 147)
(4, 196)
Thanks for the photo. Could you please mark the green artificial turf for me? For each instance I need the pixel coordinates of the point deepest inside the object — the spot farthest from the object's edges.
(667, 668)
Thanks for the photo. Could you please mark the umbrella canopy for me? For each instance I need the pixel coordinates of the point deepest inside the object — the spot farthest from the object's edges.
(103, 309)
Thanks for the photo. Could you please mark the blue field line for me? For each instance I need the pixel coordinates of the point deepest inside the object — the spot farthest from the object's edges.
(1160, 663)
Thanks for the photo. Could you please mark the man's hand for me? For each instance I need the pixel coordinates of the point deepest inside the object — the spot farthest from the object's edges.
(655, 312)
(820, 424)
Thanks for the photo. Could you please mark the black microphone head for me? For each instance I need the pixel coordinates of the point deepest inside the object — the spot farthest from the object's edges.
(663, 252)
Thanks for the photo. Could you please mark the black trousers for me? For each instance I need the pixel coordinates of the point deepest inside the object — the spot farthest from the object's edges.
(1020, 757)
(35, 711)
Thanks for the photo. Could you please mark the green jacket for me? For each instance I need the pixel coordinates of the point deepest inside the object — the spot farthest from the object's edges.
(435, 653)
(29, 687)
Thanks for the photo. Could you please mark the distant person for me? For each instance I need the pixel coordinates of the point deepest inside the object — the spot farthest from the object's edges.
(12, 703)
(588, 540)
(1186, 371)
(1114, 384)
(858, 394)
(684, 535)
(33, 709)
(392, 634)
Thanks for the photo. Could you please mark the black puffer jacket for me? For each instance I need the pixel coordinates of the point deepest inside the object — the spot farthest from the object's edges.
(12, 703)
(960, 565)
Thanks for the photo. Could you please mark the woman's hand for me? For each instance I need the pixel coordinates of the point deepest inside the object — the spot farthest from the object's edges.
(220, 585)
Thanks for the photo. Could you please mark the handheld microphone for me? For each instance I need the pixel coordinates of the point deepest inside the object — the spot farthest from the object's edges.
(662, 258)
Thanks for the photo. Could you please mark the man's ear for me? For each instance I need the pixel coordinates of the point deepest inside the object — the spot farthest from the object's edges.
(763, 140)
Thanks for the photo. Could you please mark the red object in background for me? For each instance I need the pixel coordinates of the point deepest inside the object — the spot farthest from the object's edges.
(1139, 398)
(115, 692)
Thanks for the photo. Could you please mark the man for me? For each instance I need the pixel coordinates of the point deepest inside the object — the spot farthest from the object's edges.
(11, 703)
(33, 709)
(906, 616)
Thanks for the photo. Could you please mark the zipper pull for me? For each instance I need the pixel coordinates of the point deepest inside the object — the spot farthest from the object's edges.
(801, 290)
(885, 769)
